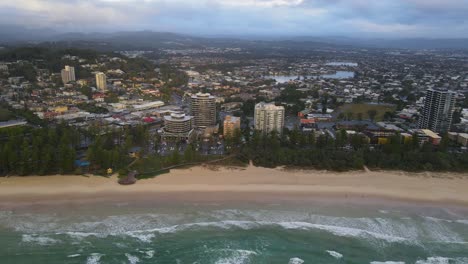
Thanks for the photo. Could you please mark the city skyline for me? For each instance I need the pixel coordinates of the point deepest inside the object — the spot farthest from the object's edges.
(357, 18)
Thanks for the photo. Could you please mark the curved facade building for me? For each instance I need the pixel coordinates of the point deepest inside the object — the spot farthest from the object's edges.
(203, 109)
(178, 126)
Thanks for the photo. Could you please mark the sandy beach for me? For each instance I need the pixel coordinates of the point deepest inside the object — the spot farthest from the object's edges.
(242, 184)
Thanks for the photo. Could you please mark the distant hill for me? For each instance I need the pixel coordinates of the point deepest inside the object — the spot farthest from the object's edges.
(403, 43)
(154, 40)
(13, 34)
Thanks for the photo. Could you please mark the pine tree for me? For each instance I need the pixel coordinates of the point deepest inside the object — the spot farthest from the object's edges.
(25, 158)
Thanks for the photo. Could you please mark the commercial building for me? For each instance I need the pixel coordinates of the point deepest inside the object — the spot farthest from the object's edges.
(460, 138)
(308, 120)
(148, 105)
(203, 109)
(438, 110)
(101, 81)
(177, 127)
(3, 67)
(269, 117)
(463, 139)
(231, 123)
(68, 74)
(427, 136)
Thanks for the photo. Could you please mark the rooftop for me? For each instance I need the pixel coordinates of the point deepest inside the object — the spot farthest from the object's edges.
(178, 117)
(430, 133)
(268, 106)
(202, 95)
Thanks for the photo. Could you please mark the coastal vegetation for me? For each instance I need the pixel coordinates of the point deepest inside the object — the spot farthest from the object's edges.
(348, 152)
(26, 151)
(62, 150)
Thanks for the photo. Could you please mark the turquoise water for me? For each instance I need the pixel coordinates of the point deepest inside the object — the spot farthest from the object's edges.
(125, 233)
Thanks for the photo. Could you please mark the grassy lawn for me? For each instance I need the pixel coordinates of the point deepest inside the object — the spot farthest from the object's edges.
(356, 109)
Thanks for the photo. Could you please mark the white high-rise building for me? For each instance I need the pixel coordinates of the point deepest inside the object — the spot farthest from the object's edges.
(101, 81)
(203, 109)
(68, 74)
(269, 117)
(439, 106)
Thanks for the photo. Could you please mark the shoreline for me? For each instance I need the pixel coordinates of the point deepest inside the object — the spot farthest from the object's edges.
(214, 184)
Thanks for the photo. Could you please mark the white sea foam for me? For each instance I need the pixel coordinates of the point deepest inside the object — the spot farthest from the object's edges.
(81, 235)
(296, 261)
(387, 262)
(132, 259)
(439, 231)
(443, 260)
(462, 221)
(335, 254)
(73, 256)
(149, 254)
(148, 237)
(342, 231)
(237, 257)
(145, 227)
(336, 230)
(434, 260)
(94, 258)
(437, 219)
(37, 239)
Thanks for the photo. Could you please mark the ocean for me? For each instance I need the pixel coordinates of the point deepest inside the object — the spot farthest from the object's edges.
(233, 234)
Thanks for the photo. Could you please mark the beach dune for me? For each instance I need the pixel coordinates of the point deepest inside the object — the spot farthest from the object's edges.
(251, 183)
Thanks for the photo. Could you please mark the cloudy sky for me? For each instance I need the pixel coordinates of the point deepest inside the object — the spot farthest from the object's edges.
(369, 18)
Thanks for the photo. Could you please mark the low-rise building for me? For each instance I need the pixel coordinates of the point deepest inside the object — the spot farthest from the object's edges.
(427, 136)
(147, 106)
(463, 139)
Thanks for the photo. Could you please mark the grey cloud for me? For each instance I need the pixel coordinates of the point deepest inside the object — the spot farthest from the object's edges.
(304, 17)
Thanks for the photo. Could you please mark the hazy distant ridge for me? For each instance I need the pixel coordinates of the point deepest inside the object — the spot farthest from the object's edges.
(149, 39)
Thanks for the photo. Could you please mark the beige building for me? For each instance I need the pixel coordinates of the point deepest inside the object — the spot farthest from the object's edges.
(101, 81)
(231, 123)
(269, 117)
(68, 74)
(463, 139)
(203, 109)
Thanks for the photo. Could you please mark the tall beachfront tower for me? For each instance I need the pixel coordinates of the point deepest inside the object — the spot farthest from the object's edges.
(68, 74)
(269, 117)
(101, 81)
(203, 109)
(437, 114)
